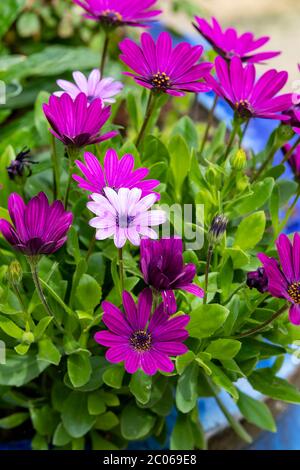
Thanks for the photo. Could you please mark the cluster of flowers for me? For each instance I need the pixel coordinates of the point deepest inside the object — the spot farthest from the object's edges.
(148, 334)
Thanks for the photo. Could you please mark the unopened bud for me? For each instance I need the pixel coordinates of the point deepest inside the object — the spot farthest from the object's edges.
(15, 272)
(217, 229)
(28, 337)
(238, 160)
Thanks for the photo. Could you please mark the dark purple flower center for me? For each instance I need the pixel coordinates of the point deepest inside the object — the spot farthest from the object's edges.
(160, 81)
(141, 340)
(244, 108)
(123, 221)
(294, 292)
(111, 17)
(230, 54)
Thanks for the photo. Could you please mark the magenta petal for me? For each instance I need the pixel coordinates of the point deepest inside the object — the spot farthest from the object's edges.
(294, 314)
(193, 289)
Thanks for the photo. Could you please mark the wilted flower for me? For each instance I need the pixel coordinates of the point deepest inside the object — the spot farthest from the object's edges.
(294, 159)
(258, 280)
(125, 215)
(93, 87)
(229, 44)
(284, 278)
(113, 13)
(217, 229)
(162, 68)
(76, 123)
(139, 339)
(247, 97)
(38, 228)
(164, 270)
(21, 163)
(115, 173)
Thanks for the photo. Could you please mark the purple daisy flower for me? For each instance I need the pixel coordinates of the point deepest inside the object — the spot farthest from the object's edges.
(93, 87)
(76, 123)
(294, 159)
(113, 13)
(229, 44)
(125, 215)
(284, 278)
(38, 228)
(162, 68)
(116, 174)
(140, 340)
(258, 280)
(163, 269)
(248, 97)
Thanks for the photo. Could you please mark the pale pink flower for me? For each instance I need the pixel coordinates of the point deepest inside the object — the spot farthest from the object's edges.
(125, 215)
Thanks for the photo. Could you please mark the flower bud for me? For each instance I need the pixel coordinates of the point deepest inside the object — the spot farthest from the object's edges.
(28, 337)
(238, 160)
(217, 229)
(258, 280)
(15, 272)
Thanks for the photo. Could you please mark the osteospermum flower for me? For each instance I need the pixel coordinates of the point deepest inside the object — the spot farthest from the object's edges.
(115, 173)
(162, 68)
(140, 340)
(38, 228)
(77, 123)
(248, 97)
(125, 215)
(163, 269)
(93, 87)
(113, 13)
(229, 44)
(284, 278)
(294, 159)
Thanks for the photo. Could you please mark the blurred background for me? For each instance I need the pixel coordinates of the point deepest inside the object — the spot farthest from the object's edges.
(278, 19)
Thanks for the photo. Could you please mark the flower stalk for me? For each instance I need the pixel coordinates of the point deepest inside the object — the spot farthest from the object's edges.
(149, 112)
(261, 327)
(104, 52)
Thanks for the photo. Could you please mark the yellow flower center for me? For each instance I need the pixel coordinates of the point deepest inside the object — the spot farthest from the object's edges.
(294, 292)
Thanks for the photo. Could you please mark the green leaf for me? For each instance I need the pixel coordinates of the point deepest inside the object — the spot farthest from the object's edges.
(73, 245)
(79, 369)
(136, 423)
(107, 421)
(266, 383)
(186, 390)
(250, 231)
(261, 193)
(96, 404)
(41, 328)
(221, 379)
(60, 436)
(140, 386)
(28, 24)
(10, 328)
(187, 129)
(88, 292)
(206, 319)
(113, 376)
(183, 361)
(238, 256)
(9, 11)
(44, 420)
(180, 161)
(256, 412)
(13, 421)
(19, 370)
(182, 437)
(223, 349)
(48, 352)
(75, 416)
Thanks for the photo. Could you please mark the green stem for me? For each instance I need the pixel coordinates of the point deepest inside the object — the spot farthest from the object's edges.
(231, 140)
(91, 247)
(289, 153)
(149, 111)
(244, 131)
(209, 124)
(289, 211)
(208, 261)
(259, 328)
(104, 53)
(36, 280)
(121, 269)
(72, 155)
(233, 293)
(236, 426)
(266, 163)
(56, 171)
